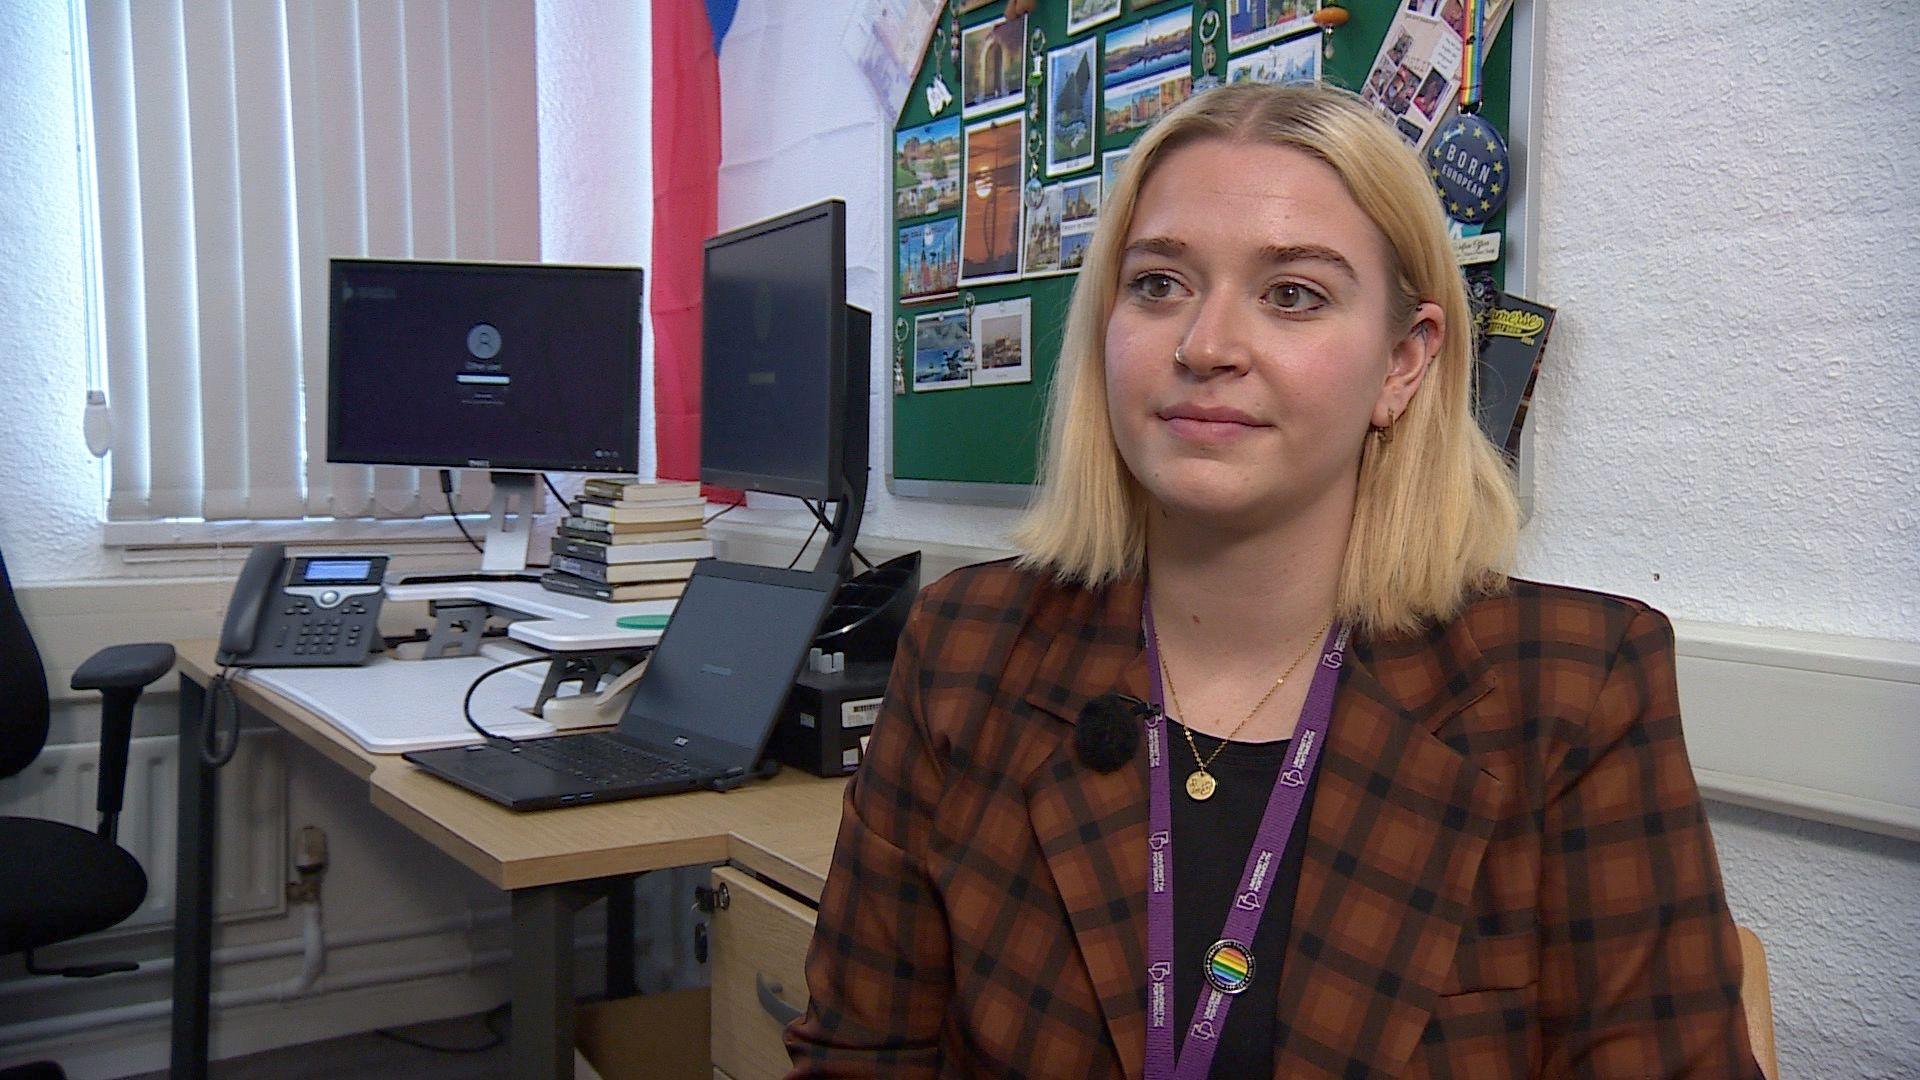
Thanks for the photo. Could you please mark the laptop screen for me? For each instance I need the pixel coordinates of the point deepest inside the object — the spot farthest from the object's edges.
(727, 661)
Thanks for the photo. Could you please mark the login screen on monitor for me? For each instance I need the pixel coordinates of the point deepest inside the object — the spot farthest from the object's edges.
(484, 365)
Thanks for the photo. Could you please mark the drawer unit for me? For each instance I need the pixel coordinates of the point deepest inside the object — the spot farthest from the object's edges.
(757, 940)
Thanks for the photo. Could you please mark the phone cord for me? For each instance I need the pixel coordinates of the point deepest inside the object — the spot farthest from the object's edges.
(215, 752)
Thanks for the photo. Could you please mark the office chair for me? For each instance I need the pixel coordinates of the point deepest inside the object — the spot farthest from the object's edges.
(56, 881)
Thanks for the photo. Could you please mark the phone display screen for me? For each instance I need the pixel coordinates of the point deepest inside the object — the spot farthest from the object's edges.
(333, 572)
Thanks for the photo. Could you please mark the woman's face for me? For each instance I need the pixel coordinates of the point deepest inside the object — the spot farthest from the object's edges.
(1253, 337)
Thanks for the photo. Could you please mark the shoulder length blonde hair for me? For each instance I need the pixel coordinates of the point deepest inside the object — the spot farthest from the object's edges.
(1435, 516)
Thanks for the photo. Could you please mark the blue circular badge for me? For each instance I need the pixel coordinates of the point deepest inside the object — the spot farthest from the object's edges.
(1467, 162)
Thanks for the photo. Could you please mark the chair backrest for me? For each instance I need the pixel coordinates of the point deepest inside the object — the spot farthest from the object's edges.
(24, 706)
(1757, 1002)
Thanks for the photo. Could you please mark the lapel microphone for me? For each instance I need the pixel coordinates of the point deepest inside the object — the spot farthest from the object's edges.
(1107, 734)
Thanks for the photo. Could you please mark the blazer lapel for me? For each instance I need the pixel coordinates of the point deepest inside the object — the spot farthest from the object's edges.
(1092, 826)
(1399, 823)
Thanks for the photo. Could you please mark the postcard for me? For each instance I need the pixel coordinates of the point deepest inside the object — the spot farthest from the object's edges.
(991, 200)
(1080, 203)
(1040, 252)
(1003, 342)
(1085, 14)
(926, 169)
(929, 259)
(993, 66)
(1296, 60)
(1111, 163)
(942, 350)
(1149, 47)
(1136, 105)
(1070, 131)
(1253, 22)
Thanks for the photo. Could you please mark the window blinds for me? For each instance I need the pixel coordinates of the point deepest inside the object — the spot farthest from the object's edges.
(238, 145)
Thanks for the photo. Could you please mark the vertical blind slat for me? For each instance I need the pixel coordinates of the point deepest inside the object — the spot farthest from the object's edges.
(268, 218)
(122, 278)
(219, 272)
(166, 218)
(343, 190)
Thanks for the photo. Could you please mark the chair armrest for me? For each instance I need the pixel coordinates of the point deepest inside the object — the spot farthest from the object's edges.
(120, 673)
(124, 667)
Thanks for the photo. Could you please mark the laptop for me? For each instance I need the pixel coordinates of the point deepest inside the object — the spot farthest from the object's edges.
(700, 716)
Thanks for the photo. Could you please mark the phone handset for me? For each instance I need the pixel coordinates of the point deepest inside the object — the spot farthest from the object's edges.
(251, 596)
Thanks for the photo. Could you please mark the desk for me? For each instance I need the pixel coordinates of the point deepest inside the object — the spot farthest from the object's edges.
(551, 862)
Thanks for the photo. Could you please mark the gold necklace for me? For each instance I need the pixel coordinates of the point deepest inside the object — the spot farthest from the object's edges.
(1200, 783)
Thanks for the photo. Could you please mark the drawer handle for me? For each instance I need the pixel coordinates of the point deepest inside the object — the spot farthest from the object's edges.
(770, 1001)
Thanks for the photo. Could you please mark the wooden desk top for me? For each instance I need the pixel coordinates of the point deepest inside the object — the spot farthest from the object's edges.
(783, 828)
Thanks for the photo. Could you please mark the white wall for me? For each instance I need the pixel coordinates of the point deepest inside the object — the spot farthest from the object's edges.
(50, 494)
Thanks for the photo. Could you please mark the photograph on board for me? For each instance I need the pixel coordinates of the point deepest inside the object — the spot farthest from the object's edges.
(929, 260)
(1134, 106)
(1415, 75)
(942, 350)
(991, 199)
(1070, 120)
(1149, 47)
(1040, 252)
(1086, 14)
(926, 169)
(1079, 213)
(1295, 60)
(993, 62)
(1255, 22)
(1003, 342)
(1111, 163)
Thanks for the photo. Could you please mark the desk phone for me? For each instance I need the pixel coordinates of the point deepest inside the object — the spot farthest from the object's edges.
(307, 611)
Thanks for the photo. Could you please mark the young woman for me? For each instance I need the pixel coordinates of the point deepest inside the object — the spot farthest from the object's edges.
(1256, 762)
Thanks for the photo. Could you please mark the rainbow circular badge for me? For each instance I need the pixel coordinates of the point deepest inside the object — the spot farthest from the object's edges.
(1229, 966)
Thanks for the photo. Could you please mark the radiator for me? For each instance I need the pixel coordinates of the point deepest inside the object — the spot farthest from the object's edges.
(62, 784)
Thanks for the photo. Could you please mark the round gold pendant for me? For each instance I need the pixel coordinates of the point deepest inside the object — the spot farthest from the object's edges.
(1200, 786)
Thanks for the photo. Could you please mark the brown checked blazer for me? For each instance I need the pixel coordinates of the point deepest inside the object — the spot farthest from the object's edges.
(1508, 872)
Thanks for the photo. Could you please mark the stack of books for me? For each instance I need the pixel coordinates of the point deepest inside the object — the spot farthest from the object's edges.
(629, 539)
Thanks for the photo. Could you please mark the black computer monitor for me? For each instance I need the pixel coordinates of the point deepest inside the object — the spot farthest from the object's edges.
(515, 368)
(783, 405)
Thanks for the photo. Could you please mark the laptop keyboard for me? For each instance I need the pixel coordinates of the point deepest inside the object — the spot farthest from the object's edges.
(602, 760)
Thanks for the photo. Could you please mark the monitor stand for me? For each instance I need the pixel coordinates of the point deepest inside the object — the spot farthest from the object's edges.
(509, 524)
(509, 533)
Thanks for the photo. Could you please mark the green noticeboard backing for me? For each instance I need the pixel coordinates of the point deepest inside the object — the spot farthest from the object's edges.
(991, 203)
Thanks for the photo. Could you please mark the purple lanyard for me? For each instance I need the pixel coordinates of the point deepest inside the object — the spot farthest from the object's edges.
(1228, 965)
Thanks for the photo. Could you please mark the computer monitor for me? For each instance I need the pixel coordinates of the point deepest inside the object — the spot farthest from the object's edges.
(515, 368)
(784, 366)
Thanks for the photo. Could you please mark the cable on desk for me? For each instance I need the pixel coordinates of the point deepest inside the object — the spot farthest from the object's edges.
(820, 515)
(446, 488)
(557, 497)
(803, 546)
(466, 703)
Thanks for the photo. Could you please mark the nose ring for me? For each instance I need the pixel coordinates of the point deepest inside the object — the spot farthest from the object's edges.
(1177, 357)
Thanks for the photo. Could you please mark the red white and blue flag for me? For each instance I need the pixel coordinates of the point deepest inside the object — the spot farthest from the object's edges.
(687, 36)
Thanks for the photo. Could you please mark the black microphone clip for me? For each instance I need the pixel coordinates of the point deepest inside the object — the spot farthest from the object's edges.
(1107, 734)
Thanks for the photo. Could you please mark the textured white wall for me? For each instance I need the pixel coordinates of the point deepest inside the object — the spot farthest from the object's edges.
(50, 493)
(1727, 416)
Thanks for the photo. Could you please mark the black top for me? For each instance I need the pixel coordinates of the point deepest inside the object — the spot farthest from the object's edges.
(1211, 841)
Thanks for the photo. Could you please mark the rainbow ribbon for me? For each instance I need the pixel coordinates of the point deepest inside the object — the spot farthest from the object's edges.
(1473, 56)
